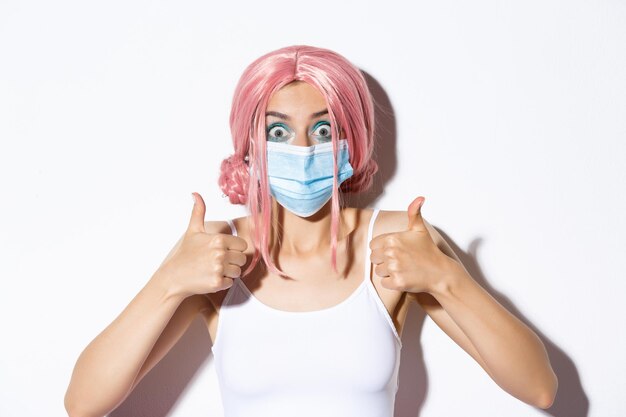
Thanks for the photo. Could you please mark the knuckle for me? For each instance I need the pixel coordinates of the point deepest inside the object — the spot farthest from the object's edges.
(392, 282)
(218, 240)
(215, 281)
(399, 281)
(219, 255)
(225, 273)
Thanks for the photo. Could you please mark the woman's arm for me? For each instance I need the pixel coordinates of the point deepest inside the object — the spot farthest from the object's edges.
(515, 357)
(116, 360)
(510, 352)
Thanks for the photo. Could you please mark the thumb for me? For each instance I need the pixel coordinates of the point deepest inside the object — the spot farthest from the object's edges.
(196, 223)
(416, 222)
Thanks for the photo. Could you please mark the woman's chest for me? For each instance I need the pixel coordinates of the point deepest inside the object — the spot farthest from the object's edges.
(313, 297)
(316, 286)
(262, 351)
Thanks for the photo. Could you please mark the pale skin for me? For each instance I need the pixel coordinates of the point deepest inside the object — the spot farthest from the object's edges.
(412, 263)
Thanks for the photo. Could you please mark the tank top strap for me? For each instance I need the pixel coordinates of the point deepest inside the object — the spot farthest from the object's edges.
(229, 292)
(368, 251)
(232, 227)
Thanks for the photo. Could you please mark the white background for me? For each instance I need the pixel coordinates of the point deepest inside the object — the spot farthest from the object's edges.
(507, 116)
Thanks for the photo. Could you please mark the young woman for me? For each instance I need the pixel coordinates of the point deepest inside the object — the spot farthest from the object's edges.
(305, 299)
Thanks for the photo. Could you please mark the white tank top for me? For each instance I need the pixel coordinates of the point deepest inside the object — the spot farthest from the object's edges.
(340, 361)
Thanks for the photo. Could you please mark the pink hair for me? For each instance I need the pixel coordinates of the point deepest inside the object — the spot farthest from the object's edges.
(350, 107)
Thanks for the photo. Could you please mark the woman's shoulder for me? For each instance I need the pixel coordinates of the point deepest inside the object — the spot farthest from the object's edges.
(387, 221)
(390, 221)
(223, 226)
(217, 226)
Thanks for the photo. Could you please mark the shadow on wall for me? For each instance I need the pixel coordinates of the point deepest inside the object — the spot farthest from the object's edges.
(571, 400)
(162, 386)
(384, 147)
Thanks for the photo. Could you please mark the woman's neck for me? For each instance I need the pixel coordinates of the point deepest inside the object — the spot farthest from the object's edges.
(299, 236)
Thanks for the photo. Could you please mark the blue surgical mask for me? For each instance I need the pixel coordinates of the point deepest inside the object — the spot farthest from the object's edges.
(301, 177)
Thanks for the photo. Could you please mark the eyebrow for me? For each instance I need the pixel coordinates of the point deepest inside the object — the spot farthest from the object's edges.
(285, 117)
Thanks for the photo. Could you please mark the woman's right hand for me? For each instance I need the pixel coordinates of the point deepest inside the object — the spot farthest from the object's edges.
(204, 262)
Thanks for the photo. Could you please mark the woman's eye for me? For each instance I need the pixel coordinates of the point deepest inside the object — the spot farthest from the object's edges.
(278, 133)
(321, 131)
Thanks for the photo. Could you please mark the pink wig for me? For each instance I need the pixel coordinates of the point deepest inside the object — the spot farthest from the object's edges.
(350, 107)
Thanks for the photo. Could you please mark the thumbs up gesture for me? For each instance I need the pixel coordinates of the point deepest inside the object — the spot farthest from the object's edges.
(409, 260)
(204, 262)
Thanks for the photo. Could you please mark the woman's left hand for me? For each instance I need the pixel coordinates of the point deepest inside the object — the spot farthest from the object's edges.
(410, 260)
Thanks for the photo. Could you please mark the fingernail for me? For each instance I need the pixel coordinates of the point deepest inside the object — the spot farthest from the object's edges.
(193, 197)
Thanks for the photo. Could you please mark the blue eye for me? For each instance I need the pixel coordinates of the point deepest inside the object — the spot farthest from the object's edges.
(278, 133)
(321, 131)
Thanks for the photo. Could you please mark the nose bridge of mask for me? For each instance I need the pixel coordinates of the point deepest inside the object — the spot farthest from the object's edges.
(304, 150)
(306, 163)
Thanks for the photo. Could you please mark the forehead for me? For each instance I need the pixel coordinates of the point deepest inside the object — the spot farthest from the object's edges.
(297, 97)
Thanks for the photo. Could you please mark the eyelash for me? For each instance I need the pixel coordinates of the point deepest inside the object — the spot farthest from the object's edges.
(322, 123)
(273, 138)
